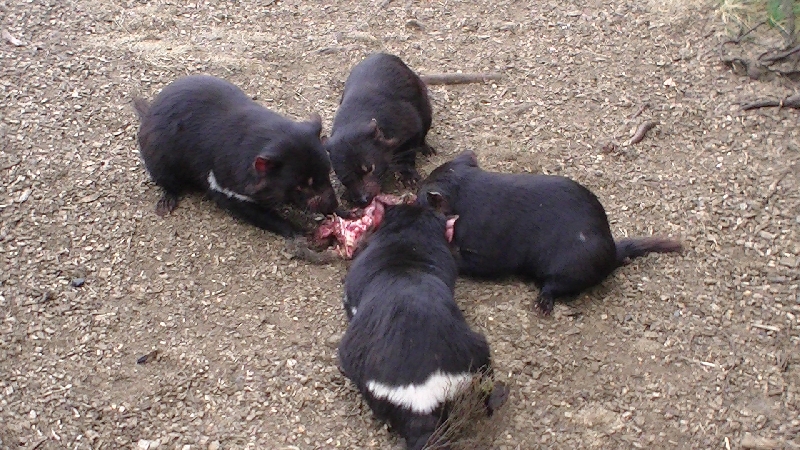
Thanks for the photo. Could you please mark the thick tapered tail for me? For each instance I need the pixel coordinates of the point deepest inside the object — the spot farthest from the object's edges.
(628, 249)
(142, 106)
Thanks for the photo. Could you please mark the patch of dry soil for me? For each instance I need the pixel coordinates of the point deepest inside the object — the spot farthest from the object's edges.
(691, 351)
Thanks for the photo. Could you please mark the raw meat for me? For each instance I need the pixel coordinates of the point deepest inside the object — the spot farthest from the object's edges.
(348, 232)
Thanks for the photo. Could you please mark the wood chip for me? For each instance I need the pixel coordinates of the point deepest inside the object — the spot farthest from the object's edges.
(11, 39)
(759, 443)
(766, 327)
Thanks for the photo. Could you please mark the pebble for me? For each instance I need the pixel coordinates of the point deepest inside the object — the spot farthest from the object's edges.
(77, 282)
(214, 445)
(333, 340)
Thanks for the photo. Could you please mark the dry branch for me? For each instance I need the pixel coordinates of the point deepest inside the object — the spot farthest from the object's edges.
(460, 78)
(788, 102)
(641, 131)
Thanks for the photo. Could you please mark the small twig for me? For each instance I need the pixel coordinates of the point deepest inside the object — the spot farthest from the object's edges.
(773, 187)
(332, 50)
(779, 56)
(742, 36)
(460, 78)
(766, 327)
(732, 60)
(641, 131)
(11, 39)
(37, 444)
(697, 361)
(789, 102)
(639, 111)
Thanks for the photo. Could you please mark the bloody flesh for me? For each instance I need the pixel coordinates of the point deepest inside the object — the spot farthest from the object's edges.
(347, 233)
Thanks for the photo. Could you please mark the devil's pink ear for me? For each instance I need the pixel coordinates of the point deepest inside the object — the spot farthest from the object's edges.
(264, 165)
(449, 228)
(380, 137)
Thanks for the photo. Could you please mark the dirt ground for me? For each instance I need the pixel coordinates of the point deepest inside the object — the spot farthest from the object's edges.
(698, 350)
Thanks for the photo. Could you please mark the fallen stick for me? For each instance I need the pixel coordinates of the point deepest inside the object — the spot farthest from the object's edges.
(779, 56)
(641, 131)
(788, 102)
(332, 50)
(460, 78)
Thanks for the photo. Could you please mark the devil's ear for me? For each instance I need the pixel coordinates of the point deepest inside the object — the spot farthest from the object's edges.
(316, 123)
(379, 137)
(436, 200)
(469, 157)
(264, 165)
(324, 141)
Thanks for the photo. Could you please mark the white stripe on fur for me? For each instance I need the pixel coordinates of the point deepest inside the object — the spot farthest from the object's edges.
(422, 398)
(214, 186)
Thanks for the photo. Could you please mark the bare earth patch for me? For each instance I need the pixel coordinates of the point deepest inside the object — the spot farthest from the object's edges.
(691, 351)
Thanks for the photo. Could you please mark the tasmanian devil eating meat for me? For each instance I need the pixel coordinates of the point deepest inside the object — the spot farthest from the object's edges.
(547, 228)
(407, 347)
(203, 133)
(383, 118)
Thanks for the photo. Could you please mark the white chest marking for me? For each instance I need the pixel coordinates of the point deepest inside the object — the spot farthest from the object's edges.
(423, 398)
(353, 310)
(581, 237)
(214, 186)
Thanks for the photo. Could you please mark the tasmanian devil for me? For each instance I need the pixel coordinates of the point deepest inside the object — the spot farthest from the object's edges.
(407, 347)
(204, 133)
(383, 118)
(547, 228)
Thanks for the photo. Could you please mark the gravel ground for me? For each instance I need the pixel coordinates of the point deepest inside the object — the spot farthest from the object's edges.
(698, 350)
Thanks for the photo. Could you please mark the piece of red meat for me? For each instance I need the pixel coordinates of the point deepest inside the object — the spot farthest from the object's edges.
(347, 233)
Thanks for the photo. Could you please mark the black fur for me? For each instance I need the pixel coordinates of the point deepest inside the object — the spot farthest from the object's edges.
(547, 228)
(407, 325)
(382, 121)
(199, 124)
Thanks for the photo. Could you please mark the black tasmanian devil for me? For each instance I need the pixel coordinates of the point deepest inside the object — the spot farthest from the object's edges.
(383, 118)
(203, 133)
(547, 228)
(408, 348)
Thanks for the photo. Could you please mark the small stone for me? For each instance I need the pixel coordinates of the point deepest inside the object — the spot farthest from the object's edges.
(24, 196)
(333, 340)
(77, 282)
(214, 445)
(788, 261)
(414, 24)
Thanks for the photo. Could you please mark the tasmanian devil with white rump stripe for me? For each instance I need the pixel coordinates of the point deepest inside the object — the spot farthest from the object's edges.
(203, 133)
(544, 227)
(408, 348)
